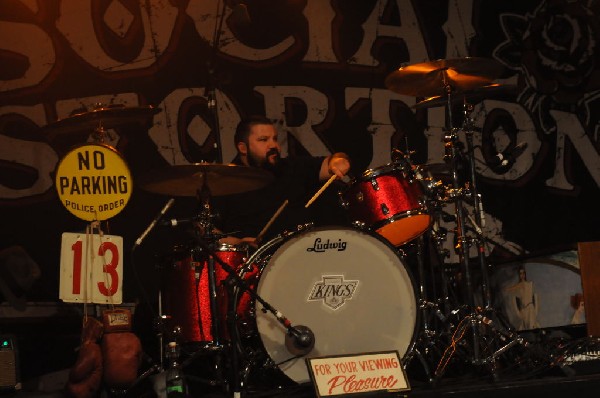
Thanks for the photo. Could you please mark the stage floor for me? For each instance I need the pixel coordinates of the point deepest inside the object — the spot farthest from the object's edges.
(547, 387)
(578, 379)
(552, 363)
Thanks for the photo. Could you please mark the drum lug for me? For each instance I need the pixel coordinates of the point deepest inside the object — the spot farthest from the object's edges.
(343, 202)
(359, 224)
(384, 209)
(375, 185)
(303, 227)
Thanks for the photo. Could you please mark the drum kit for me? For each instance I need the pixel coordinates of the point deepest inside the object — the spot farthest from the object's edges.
(257, 314)
(350, 288)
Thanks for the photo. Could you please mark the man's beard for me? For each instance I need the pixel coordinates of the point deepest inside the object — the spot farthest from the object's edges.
(264, 163)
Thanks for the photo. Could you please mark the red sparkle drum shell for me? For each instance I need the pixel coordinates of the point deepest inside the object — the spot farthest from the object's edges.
(390, 201)
(349, 287)
(186, 294)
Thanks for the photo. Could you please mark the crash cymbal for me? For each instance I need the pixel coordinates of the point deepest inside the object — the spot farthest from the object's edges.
(221, 179)
(474, 96)
(100, 117)
(432, 78)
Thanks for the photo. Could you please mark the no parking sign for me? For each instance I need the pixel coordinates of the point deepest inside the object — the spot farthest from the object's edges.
(93, 182)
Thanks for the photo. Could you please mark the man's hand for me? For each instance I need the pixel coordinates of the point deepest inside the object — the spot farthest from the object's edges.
(337, 164)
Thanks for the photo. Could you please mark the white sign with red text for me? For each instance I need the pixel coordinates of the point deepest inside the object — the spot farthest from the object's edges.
(91, 269)
(341, 375)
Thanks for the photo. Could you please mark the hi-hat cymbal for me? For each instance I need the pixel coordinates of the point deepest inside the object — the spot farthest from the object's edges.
(472, 96)
(429, 79)
(221, 179)
(101, 117)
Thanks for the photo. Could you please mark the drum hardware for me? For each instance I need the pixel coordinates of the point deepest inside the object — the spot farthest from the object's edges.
(220, 179)
(200, 273)
(301, 337)
(472, 96)
(99, 119)
(438, 77)
(448, 82)
(225, 342)
(477, 319)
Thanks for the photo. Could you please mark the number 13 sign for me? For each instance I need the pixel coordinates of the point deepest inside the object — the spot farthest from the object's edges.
(91, 269)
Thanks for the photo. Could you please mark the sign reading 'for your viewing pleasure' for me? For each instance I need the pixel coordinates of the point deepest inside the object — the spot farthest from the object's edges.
(362, 373)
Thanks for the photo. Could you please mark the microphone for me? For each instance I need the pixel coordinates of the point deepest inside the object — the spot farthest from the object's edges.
(501, 160)
(174, 222)
(481, 212)
(299, 340)
(165, 208)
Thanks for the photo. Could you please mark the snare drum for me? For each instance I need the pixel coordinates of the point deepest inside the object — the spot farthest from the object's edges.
(348, 287)
(390, 201)
(186, 293)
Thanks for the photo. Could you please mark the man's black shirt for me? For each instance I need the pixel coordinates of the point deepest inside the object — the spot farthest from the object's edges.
(246, 214)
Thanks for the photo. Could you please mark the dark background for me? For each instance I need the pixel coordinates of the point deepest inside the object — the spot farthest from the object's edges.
(534, 216)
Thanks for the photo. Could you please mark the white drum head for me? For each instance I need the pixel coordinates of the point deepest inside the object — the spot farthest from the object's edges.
(350, 288)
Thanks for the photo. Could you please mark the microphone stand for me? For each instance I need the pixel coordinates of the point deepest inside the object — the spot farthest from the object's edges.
(210, 90)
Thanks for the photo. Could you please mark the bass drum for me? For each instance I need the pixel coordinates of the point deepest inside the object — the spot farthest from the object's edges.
(350, 288)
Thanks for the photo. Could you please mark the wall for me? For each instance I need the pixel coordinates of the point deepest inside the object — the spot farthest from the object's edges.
(318, 69)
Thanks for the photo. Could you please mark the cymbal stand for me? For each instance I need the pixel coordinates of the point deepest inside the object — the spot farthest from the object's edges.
(452, 155)
(206, 239)
(477, 318)
(479, 221)
(206, 227)
(425, 343)
(484, 316)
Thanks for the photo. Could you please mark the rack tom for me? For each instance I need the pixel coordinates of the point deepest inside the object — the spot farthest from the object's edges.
(389, 200)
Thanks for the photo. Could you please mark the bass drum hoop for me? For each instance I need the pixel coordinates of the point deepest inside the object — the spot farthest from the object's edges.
(396, 333)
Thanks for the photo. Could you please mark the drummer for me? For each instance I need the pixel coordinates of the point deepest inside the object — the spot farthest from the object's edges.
(244, 216)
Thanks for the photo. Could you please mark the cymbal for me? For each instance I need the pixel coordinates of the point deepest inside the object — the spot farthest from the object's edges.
(430, 79)
(471, 96)
(221, 179)
(104, 116)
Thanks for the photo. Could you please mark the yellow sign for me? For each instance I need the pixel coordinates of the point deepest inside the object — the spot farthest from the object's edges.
(93, 182)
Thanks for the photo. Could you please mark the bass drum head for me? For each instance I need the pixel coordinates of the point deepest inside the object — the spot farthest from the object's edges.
(350, 288)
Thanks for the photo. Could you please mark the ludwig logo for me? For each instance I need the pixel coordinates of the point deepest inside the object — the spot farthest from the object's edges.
(320, 246)
(333, 290)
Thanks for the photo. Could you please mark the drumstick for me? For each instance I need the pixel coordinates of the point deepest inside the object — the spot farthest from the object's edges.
(271, 221)
(320, 191)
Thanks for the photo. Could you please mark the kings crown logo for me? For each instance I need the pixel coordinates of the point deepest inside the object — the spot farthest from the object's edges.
(333, 290)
